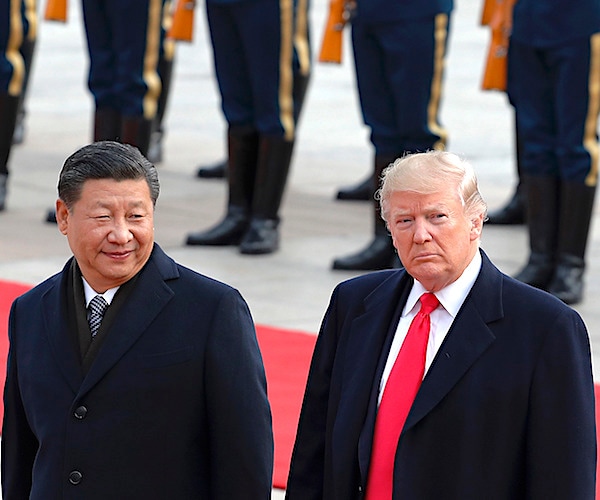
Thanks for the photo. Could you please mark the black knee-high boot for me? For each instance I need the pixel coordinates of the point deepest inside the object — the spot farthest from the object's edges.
(136, 130)
(107, 124)
(8, 115)
(575, 214)
(242, 158)
(380, 252)
(274, 159)
(542, 197)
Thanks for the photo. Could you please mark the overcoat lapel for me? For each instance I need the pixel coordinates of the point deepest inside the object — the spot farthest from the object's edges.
(147, 300)
(468, 338)
(56, 325)
(370, 338)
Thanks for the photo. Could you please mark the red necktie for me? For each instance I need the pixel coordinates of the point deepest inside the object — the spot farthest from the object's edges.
(399, 393)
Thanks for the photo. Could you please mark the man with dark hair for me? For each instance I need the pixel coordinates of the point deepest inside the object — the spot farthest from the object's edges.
(129, 375)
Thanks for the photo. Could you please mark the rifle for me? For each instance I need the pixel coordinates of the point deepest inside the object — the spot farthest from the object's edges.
(182, 28)
(340, 12)
(499, 17)
(56, 10)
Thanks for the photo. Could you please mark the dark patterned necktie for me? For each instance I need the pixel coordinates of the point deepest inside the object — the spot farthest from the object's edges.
(96, 309)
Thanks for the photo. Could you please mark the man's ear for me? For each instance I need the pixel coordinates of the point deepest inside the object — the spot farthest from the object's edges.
(62, 216)
(477, 226)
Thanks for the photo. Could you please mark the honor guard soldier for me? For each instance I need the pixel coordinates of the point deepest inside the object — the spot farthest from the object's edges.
(253, 47)
(399, 52)
(554, 83)
(14, 28)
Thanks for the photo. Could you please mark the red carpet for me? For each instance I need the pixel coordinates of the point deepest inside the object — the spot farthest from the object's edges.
(286, 355)
(8, 292)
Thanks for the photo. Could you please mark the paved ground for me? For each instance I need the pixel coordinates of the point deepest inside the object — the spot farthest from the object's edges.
(290, 288)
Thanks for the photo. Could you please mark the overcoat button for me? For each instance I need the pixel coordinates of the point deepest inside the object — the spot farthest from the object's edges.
(75, 477)
(80, 412)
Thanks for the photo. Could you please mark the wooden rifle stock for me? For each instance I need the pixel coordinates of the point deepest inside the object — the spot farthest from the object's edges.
(499, 18)
(182, 28)
(489, 6)
(56, 10)
(331, 46)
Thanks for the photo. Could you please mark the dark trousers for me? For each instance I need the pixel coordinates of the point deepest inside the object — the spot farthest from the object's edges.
(557, 108)
(253, 52)
(123, 41)
(399, 76)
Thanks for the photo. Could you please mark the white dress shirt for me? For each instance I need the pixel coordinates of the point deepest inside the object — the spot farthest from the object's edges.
(90, 293)
(451, 300)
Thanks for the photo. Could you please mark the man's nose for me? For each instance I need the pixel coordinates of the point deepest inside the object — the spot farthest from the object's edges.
(421, 233)
(120, 232)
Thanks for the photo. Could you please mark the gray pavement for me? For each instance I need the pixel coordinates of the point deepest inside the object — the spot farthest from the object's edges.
(290, 288)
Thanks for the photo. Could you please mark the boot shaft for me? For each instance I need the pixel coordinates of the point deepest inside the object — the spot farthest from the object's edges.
(9, 106)
(542, 207)
(136, 130)
(575, 214)
(107, 125)
(242, 158)
(274, 159)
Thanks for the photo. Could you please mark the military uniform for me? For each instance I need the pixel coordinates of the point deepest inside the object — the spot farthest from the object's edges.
(123, 42)
(399, 51)
(554, 84)
(262, 62)
(13, 28)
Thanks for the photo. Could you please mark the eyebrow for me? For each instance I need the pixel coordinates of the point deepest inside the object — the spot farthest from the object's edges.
(426, 209)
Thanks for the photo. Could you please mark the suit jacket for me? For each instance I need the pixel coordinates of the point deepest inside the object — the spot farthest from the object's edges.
(506, 410)
(174, 406)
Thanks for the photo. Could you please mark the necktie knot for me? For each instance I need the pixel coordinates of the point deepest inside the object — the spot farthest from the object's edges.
(96, 307)
(429, 303)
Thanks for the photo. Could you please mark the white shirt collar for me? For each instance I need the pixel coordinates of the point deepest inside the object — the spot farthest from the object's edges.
(451, 296)
(90, 293)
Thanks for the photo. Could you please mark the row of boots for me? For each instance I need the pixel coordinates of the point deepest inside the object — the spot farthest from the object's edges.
(379, 253)
(258, 167)
(559, 215)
